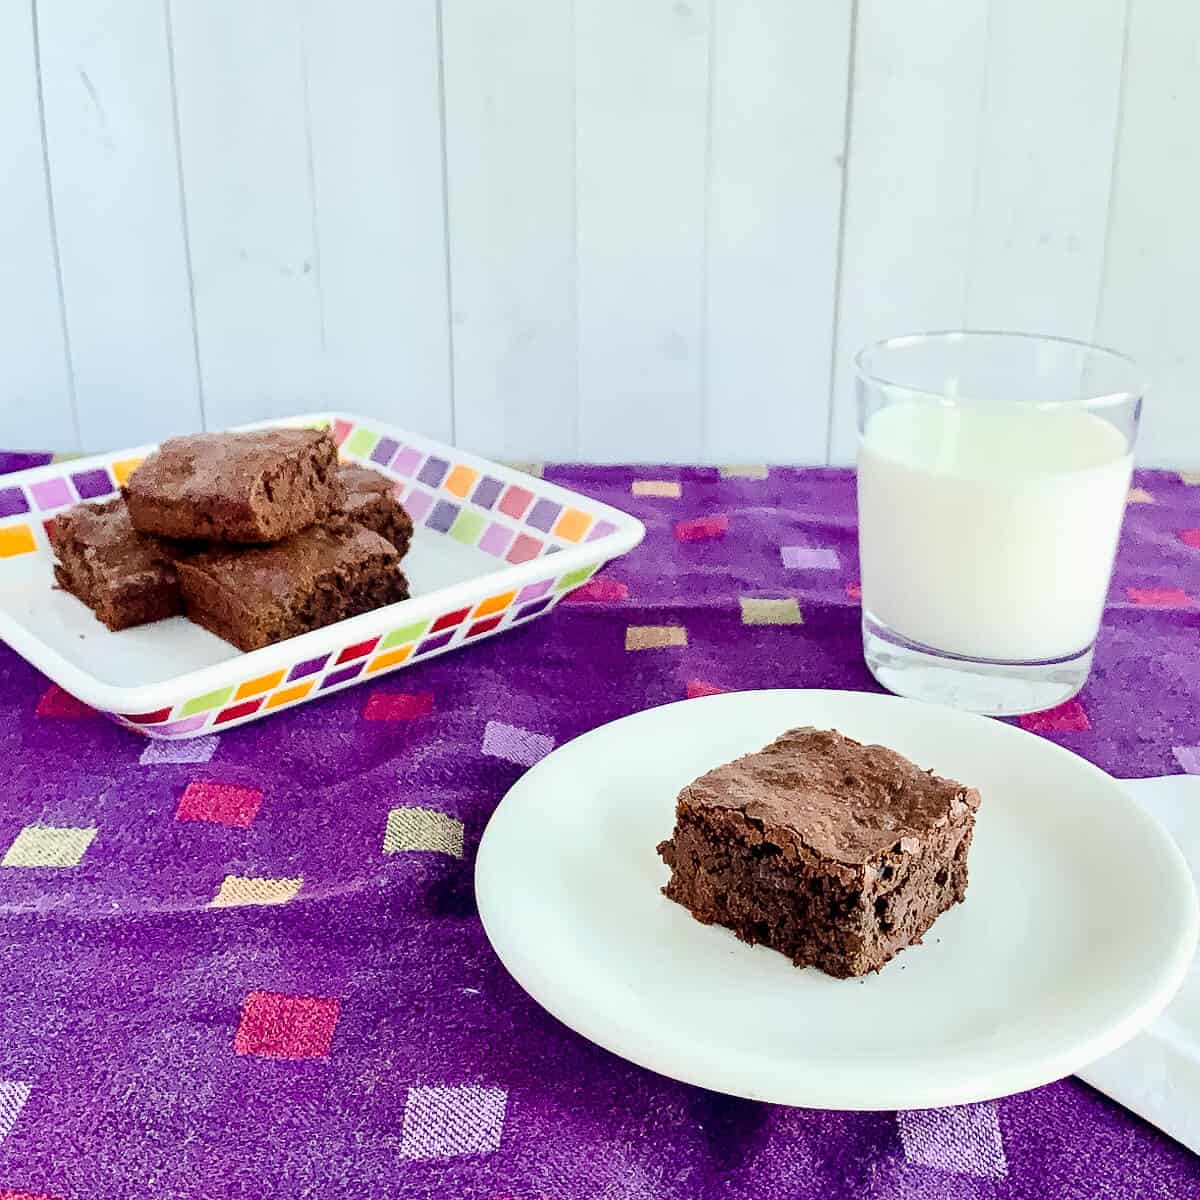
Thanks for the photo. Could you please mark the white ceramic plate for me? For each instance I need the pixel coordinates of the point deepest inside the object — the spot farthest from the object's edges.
(1079, 923)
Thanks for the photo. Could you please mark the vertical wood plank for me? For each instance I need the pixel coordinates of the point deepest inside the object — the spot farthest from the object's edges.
(35, 380)
(113, 170)
(510, 161)
(641, 128)
(915, 106)
(778, 135)
(375, 122)
(248, 186)
(1148, 302)
(1046, 147)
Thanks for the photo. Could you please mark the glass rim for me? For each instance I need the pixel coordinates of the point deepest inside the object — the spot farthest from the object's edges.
(904, 340)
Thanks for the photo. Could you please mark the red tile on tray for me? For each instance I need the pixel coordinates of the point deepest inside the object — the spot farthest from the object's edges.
(523, 549)
(515, 501)
(449, 619)
(358, 650)
(482, 627)
(237, 710)
(151, 718)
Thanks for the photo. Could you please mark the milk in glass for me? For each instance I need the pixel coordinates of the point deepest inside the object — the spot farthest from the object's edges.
(988, 530)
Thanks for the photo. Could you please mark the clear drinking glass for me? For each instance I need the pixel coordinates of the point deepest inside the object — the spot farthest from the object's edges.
(993, 473)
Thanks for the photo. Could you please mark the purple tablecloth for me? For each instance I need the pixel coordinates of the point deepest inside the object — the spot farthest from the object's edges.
(166, 1032)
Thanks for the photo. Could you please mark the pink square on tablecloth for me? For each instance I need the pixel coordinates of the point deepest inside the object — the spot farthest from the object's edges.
(1190, 537)
(598, 591)
(1066, 718)
(854, 591)
(222, 803)
(1155, 597)
(397, 706)
(698, 687)
(56, 703)
(700, 528)
(277, 1026)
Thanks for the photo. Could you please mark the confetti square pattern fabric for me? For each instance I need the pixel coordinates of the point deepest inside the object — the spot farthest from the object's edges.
(251, 964)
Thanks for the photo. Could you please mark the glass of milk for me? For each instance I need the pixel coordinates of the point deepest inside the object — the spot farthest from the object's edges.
(993, 473)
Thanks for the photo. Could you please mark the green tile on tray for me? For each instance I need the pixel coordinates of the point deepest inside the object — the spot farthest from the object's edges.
(361, 441)
(204, 703)
(399, 637)
(468, 527)
(575, 578)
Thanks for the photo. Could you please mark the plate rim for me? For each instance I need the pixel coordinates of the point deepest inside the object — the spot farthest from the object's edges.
(828, 1093)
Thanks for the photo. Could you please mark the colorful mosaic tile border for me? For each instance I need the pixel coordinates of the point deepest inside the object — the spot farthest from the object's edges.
(313, 677)
(506, 519)
(512, 521)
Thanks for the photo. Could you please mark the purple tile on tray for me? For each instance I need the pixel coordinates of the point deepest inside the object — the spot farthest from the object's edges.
(310, 666)
(543, 515)
(91, 484)
(12, 501)
(434, 471)
(495, 539)
(535, 591)
(336, 677)
(601, 529)
(443, 516)
(418, 504)
(487, 491)
(384, 450)
(429, 645)
(184, 726)
(51, 493)
(531, 610)
(407, 460)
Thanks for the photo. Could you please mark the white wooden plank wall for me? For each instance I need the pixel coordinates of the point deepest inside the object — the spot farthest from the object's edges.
(594, 229)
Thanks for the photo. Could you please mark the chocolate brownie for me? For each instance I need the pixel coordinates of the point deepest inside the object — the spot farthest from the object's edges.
(258, 486)
(371, 501)
(125, 577)
(255, 595)
(836, 854)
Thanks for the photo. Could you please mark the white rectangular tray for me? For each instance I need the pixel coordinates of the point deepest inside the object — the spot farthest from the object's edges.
(492, 548)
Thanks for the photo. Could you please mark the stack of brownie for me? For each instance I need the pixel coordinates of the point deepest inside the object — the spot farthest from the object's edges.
(257, 536)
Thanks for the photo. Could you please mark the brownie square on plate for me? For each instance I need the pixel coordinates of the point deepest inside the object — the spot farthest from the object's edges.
(255, 595)
(125, 577)
(371, 501)
(257, 486)
(836, 854)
